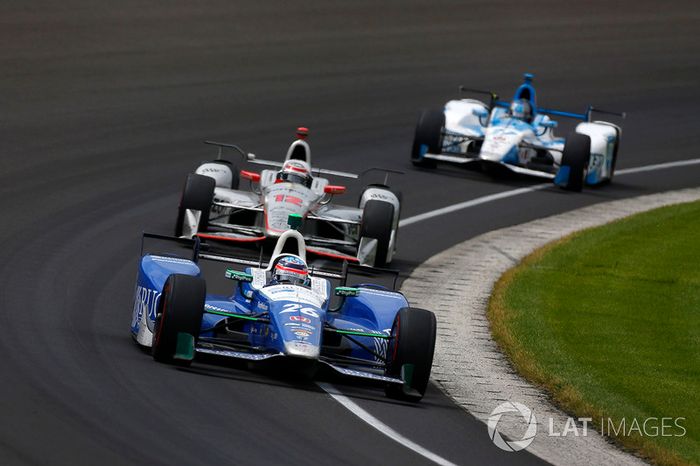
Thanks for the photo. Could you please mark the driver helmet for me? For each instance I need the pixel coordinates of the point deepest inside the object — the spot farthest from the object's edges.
(295, 171)
(521, 109)
(289, 269)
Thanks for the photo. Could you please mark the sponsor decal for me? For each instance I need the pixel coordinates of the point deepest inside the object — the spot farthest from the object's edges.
(299, 325)
(212, 170)
(380, 292)
(146, 301)
(209, 307)
(232, 274)
(291, 293)
(347, 291)
(302, 333)
(171, 260)
(293, 307)
(378, 194)
(596, 161)
(289, 199)
(300, 319)
(219, 209)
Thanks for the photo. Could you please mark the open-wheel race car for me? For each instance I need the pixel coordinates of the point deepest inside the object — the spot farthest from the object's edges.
(518, 136)
(283, 312)
(213, 207)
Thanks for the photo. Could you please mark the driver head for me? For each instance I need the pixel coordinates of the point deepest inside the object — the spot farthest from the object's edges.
(290, 269)
(295, 171)
(521, 109)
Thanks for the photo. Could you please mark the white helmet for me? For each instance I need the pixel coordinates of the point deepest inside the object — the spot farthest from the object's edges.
(295, 171)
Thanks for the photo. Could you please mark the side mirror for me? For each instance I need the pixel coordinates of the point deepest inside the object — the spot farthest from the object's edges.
(549, 124)
(480, 112)
(346, 291)
(238, 276)
(332, 189)
(252, 176)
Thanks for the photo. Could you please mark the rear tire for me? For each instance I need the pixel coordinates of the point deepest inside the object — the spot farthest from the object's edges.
(377, 223)
(576, 156)
(197, 194)
(412, 345)
(180, 311)
(428, 137)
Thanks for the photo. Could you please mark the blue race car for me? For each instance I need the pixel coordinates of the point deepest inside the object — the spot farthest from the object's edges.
(518, 136)
(283, 312)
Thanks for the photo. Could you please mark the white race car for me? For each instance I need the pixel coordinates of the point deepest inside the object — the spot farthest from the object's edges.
(213, 207)
(518, 136)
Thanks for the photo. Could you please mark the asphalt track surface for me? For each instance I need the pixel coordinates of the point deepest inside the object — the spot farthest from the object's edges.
(104, 105)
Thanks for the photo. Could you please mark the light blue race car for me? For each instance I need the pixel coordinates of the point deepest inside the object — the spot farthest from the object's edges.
(282, 312)
(518, 136)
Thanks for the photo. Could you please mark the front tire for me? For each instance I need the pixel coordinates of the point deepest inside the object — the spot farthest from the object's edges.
(377, 223)
(575, 158)
(197, 194)
(410, 351)
(180, 312)
(427, 138)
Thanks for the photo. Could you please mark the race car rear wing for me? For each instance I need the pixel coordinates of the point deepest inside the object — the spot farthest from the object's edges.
(348, 269)
(252, 158)
(191, 249)
(587, 116)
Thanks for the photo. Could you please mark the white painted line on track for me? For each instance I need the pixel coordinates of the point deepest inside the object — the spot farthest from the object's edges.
(529, 189)
(355, 409)
(470, 203)
(657, 166)
(379, 425)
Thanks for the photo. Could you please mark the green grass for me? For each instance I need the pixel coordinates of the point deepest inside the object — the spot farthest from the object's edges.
(608, 321)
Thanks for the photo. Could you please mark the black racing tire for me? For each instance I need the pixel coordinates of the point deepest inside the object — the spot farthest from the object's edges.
(180, 311)
(428, 133)
(576, 155)
(412, 343)
(197, 194)
(377, 223)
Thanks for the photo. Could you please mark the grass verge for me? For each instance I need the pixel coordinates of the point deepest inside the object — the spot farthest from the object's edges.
(608, 322)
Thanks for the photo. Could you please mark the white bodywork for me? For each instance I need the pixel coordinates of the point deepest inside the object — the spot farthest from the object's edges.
(274, 201)
(472, 134)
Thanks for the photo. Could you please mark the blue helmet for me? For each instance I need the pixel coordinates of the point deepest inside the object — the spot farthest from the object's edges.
(290, 269)
(521, 109)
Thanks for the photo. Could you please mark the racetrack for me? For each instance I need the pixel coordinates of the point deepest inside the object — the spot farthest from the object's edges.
(105, 106)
